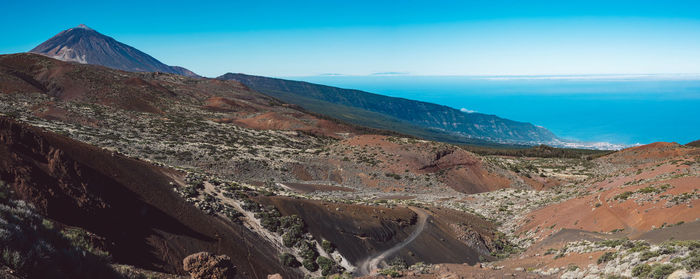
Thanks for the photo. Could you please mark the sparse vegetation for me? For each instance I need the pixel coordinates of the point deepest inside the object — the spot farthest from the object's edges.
(660, 271)
(606, 257)
(641, 270)
(327, 266)
(289, 260)
(327, 246)
(33, 248)
(624, 196)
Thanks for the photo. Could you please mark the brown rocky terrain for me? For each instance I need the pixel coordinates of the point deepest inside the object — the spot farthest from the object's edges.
(159, 166)
(127, 202)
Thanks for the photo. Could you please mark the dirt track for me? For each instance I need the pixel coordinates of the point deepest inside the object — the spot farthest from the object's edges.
(372, 263)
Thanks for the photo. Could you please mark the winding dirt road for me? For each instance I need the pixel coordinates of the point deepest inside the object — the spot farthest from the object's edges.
(372, 263)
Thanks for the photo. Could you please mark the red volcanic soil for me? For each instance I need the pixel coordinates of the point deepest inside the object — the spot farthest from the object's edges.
(287, 119)
(669, 169)
(127, 202)
(457, 168)
(32, 73)
(228, 105)
(646, 153)
(273, 121)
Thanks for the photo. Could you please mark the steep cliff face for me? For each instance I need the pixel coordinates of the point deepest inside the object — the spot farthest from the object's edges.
(128, 202)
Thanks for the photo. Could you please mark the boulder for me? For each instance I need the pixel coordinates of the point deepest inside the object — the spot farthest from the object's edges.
(204, 265)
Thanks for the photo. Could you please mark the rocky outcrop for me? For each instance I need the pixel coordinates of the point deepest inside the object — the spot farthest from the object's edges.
(204, 265)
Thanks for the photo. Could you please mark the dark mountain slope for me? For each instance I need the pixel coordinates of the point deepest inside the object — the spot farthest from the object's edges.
(128, 202)
(417, 118)
(84, 45)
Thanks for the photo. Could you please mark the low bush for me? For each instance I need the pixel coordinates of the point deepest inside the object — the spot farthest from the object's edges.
(390, 272)
(327, 266)
(606, 257)
(327, 246)
(660, 271)
(641, 270)
(310, 265)
(289, 260)
(623, 196)
(692, 263)
(398, 263)
(292, 237)
(648, 255)
(612, 242)
(308, 251)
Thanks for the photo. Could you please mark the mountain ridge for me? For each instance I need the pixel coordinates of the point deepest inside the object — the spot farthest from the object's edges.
(417, 118)
(85, 45)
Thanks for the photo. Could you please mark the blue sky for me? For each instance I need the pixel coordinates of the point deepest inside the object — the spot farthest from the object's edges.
(284, 38)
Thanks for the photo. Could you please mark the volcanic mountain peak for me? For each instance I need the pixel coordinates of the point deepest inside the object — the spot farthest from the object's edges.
(83, 26)
(85, 45)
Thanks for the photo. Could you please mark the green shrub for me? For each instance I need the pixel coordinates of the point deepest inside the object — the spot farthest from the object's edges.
(502, 247)
(308, 251)
(327, 265)
(398, 263)
(288, 259)
(692, 262)
(327, 246)
(666, 249)
(269, 220)
(390, 272)
(641, 270)
(660, 271)
(691, 244)
(639, 246)
(623, 196)
(612, 242)
(606, 257)
(292, 222)
(647, 190)
(79, 238)
(292, 237)
(648, 255)
(310, 265)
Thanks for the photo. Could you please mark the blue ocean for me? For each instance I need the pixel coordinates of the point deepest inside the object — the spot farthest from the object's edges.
(619, 110)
